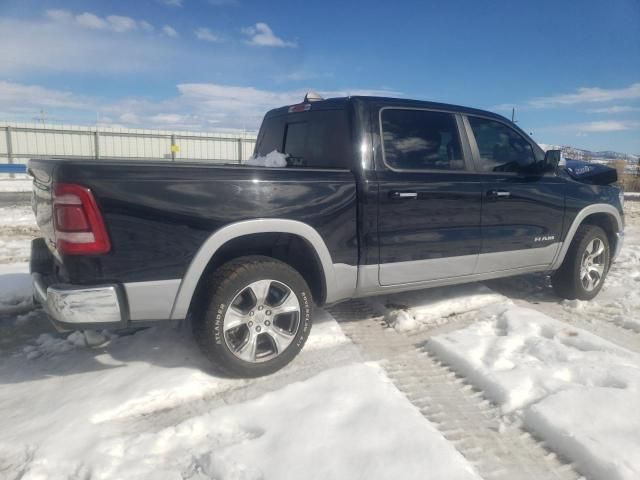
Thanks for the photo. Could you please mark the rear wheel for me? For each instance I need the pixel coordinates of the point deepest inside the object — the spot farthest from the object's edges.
(585, 266)
(258, 316)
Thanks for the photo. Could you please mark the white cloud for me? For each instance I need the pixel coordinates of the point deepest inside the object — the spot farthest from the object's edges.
(614, 109)
(122, 24)
(91, 21)
(171, 3)
(588, 95)
(20, 96)
(605, 126)
(63, 46)
(146, 26)
(206, 35)
(197, 106)
(169, 31)
(262, 36)
(129, 118)
(59, 15)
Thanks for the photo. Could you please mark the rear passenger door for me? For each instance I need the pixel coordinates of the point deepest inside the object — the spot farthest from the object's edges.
(429, 200)
(522, 211)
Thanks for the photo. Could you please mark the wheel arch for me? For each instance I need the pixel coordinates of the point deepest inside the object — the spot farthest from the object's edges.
(275, 238)
(601, 214)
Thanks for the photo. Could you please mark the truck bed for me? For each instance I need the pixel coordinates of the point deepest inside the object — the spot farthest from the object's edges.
(158, 214)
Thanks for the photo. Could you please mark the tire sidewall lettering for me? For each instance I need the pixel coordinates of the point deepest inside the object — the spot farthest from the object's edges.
(306, 318)
(218, 324)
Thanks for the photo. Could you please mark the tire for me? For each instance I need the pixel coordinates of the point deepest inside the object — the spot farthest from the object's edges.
(257, 316)
(580, 277)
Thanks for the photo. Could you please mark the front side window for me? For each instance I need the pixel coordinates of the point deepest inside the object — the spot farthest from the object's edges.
(501, 148)
(421, 140)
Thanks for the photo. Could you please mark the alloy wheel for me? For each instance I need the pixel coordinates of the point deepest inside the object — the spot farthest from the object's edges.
(261, 321)
(592, 265)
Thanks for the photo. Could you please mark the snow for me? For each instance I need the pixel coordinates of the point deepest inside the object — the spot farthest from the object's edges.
(17, 228)
(145, 406)
(48, 345)
(15, 285)
(17, 216)
(423, 308)
(325, 332)
(20, 183)
(273, 159)
(575, 390)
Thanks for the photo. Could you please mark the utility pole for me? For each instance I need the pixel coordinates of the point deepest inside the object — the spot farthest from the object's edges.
(513, 114)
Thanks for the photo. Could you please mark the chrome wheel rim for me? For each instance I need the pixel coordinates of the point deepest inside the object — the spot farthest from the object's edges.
(262, 320)
(592, 266)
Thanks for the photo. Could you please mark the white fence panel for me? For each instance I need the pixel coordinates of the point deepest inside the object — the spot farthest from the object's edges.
(21, 141)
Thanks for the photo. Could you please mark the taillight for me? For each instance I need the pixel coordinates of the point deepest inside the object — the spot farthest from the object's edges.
(79, 227)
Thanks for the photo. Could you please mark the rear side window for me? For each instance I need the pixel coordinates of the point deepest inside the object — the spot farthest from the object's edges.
(312, 139)
(421, 140)
(501, 148)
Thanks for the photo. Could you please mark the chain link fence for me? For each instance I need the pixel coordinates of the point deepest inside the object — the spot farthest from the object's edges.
(19, 142)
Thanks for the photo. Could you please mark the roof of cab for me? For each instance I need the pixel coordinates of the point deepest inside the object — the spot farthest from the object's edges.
(343, 102)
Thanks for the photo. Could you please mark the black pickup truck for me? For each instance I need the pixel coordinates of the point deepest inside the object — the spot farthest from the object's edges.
(375, 195)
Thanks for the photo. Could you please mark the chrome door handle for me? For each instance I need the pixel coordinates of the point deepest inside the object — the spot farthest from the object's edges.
(403, 195)
(498, 194)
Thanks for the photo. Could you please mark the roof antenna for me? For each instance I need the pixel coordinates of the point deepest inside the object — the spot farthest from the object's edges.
(312, 96)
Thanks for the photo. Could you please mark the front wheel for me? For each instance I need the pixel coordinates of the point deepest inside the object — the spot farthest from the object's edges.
(585, 266)
(258, 316)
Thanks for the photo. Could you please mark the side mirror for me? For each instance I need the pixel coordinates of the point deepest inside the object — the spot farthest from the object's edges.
(552, 159)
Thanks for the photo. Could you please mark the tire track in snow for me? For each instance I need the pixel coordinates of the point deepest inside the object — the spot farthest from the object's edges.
(459, 411)
(529, 291)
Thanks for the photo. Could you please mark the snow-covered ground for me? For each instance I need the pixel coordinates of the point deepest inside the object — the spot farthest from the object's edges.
(103, 405)
(146, 404)
(19, 183)
(427, 308)
(575, 390)
(17, 228)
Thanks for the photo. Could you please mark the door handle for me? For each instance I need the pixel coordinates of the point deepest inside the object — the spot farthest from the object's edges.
(498, 194)
(403, 194)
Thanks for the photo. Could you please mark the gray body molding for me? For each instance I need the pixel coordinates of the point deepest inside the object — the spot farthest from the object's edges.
(346, 281)
(151, 300)
(582, 214)
(340, 279)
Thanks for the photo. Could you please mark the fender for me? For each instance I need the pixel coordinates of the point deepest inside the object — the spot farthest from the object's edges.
(340, 279)
(582, 214)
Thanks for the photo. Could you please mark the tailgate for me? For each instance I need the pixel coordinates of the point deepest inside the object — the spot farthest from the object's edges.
(41, 200)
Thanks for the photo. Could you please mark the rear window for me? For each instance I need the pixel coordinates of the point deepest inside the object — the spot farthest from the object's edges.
(311, 139)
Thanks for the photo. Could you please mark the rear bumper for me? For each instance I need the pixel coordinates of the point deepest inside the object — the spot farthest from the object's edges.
(76, 307)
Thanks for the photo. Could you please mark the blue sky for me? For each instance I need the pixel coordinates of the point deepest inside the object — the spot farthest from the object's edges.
(571, 69)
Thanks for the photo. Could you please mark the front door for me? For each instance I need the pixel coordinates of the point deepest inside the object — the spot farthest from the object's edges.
(429, 199)
(522, 212)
